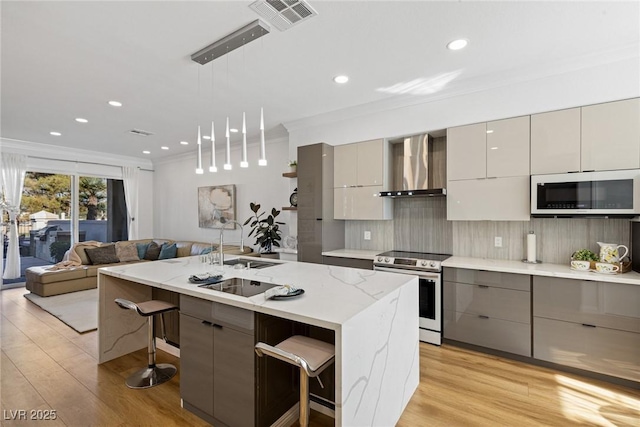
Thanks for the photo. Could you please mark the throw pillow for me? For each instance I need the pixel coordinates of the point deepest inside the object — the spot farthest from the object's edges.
(127, 251)
(142, 249)
(102, 255)
(207, 250)
(153, 251)
(168, 251)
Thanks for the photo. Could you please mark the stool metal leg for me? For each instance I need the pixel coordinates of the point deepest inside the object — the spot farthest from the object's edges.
(154, 374)
(304, 399)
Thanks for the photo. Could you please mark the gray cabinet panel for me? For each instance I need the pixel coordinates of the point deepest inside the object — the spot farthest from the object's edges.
(512, 337)
(233, 389)
(196, 363)
(597, 349)
(489, 278)
(612, 305)
(505, 304)
(365, 264)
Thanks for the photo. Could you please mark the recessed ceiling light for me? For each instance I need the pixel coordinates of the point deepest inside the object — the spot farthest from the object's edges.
(234, 130)
(81, 120)
(206, 137)
(341, 79)
(457, 44)
(55, 133)
(184, 143)
(115, 103)
(146, 152)
(164, 148)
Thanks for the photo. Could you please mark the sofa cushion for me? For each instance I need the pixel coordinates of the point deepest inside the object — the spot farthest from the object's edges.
(102, 255)
(42, 275)
(79, 248)
(142, 249)
(184, 249)
(168, 251)
(153, 252)
(127, 251)
(200, 248)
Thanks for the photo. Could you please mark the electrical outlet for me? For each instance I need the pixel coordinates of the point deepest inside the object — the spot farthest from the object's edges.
(367, 235)
(498, 242)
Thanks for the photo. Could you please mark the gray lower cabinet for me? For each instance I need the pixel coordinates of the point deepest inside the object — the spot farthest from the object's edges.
(488, 309)
(217, 363)
(589, 325)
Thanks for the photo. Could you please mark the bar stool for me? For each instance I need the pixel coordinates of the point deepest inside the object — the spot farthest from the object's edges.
(310, 355)
(153, 374)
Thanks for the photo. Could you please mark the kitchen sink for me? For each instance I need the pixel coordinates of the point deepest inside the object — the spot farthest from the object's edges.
(252, 264)
(237, 286)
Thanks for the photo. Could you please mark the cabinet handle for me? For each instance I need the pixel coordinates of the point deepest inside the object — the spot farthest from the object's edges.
(588, 325)
(492, 177)
(215, 325)
(482, 316)
(573, 171)
(205, 323)
(483, 286)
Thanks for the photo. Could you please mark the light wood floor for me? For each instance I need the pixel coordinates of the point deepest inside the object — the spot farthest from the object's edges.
(47, 365)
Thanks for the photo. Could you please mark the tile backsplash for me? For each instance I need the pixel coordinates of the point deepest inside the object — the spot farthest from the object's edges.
(420, 224)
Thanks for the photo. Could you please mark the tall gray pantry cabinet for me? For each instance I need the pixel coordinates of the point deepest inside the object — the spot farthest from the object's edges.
(317, 230)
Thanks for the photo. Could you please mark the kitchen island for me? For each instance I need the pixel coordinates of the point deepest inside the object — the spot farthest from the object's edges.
(374, 317)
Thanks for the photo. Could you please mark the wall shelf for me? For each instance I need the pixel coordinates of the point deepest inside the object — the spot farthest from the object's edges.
(290, 174)
(290, 208)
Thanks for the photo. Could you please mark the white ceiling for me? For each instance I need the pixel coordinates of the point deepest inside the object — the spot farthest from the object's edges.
(62, 60)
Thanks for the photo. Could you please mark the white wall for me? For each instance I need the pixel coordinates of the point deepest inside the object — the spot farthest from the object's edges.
(614, 81)
(176, 185)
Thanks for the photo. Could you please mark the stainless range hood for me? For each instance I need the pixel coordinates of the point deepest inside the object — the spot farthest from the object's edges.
(418, 166)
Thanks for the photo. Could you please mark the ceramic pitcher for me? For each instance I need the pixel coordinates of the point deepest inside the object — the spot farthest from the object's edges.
(610, 252)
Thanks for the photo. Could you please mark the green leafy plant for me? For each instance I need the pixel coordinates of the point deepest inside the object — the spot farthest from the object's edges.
(58, 249)
(265, 229)
(584, 255)
(293, 163)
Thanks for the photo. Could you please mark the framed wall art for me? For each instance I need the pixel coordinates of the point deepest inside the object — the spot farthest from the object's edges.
(216, 206)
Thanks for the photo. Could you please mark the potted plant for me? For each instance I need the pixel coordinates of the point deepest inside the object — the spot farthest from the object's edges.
(293, 165)
(265, 229)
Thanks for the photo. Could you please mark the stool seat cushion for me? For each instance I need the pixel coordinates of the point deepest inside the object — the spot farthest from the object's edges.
(314, 352)
(149, 308)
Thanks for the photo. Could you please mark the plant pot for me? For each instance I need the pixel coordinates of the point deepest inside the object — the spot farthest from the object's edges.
(293, 169)
(273, 255)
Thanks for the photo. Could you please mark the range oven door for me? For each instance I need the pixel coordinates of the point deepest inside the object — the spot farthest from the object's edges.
(430, 303)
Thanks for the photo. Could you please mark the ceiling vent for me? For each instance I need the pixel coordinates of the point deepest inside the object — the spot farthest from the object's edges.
(140, 132)
(283, 14)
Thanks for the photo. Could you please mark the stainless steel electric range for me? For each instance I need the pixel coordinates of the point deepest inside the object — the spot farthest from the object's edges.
(428, 268)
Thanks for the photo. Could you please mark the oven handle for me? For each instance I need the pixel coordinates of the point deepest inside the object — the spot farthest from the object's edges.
(424, 274)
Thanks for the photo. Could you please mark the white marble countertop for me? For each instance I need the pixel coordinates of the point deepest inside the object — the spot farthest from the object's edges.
(332, 295)
(353, 253)
(542, 269)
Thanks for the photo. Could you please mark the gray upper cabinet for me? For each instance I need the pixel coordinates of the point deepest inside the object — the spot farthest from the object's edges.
(591, 138)
(467, 152)
(555, 142)
(611, 136)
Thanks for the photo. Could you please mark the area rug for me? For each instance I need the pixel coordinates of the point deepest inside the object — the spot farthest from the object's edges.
(78, 310)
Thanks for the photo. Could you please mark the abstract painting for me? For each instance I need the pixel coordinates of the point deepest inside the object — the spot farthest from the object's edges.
(216, 206)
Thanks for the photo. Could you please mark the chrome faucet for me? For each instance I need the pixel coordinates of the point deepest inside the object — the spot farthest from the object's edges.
(231, 221)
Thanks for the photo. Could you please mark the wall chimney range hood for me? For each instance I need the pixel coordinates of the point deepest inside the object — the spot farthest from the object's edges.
(418, 167)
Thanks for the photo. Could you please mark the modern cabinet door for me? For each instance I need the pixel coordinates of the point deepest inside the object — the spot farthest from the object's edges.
(196, 363)
(508, 147)
(611, 135)
(233, 370)
(555, 142)
(467, 152)
(361, 203)
(345, 161)
(371, 163)
(593, 348)
(499, 199)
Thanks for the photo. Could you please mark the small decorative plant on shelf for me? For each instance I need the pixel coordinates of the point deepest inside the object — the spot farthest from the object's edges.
(584, 255)
(265, 229)
(293, 165)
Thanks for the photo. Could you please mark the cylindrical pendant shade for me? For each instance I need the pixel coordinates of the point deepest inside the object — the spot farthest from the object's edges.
(227, 165)
(263, 153)
(213, 167)
(199, 170)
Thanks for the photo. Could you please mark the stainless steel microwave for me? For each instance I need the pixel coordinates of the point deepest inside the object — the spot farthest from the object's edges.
(607, 193)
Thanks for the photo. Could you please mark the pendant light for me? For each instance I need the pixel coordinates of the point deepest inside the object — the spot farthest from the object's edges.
(199, 170)
(244, 163)
(227, 165)
(213, 167)
(263, 154)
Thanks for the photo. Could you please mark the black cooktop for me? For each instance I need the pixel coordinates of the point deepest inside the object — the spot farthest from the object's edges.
(415, 255)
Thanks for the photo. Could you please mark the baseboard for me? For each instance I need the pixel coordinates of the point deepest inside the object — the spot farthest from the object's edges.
(288, 417)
